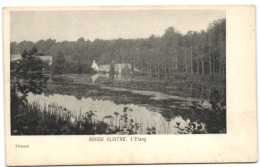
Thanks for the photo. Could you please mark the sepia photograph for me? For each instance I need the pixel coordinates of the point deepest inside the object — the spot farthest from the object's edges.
(125, 72)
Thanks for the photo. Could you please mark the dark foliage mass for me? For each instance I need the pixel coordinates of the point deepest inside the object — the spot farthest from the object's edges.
(26, 76)
(195, 52)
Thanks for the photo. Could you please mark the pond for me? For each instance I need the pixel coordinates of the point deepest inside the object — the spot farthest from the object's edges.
(123, 110)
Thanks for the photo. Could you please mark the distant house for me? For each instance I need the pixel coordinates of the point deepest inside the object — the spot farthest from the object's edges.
(94, 66)
(15, 57)
(104, 68)
(119, 68)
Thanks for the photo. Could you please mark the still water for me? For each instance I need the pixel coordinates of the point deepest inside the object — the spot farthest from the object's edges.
(153, 115)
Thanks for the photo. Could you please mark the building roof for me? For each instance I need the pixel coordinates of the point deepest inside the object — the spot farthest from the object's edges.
(14, 57)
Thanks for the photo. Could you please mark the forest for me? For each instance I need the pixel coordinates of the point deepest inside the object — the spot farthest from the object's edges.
(202, 53)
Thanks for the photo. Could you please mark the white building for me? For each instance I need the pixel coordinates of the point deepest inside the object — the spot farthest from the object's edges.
(15, 57)
(94, 66)
(120, 67)
(104, 68)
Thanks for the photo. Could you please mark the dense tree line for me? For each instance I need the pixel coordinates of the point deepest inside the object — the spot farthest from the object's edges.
(201, 52)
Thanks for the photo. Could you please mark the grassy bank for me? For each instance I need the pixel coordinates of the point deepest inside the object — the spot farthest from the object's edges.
(33, 119)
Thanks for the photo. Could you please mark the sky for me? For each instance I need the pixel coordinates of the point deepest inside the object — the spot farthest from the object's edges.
(104, 24)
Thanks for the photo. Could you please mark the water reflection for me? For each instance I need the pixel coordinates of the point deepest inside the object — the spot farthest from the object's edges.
(136, 119)
(97, 76)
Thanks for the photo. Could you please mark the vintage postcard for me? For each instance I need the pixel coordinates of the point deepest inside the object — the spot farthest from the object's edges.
(130, 85)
